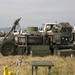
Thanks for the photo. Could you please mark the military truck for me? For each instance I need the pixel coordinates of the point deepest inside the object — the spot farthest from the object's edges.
(56, 37)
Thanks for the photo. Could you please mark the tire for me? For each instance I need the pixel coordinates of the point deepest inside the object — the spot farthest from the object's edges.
(8, 48)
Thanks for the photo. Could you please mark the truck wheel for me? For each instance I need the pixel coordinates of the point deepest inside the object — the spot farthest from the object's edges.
(8, 48)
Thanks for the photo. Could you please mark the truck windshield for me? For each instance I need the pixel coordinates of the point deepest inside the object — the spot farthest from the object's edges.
(47, 27)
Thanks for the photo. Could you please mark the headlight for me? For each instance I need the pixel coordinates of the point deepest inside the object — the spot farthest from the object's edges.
(16, 39)
(74, 43)
(62, 38)
(66, 39)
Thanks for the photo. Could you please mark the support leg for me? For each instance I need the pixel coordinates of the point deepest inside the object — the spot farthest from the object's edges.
(49, 70)
(32, 70)
(36, 70)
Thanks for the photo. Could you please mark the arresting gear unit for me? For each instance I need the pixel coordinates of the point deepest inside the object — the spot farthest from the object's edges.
(55, 39)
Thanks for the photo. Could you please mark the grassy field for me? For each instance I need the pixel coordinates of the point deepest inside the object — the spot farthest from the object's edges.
(62, 65)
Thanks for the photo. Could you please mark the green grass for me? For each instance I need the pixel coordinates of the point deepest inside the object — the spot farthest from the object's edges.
(62, 65)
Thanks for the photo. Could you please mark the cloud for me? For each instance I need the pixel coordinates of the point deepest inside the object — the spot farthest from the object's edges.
(35, 12)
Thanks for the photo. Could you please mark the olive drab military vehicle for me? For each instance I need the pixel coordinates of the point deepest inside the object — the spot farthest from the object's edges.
(52, 38)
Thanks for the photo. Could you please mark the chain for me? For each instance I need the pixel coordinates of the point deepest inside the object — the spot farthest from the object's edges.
(18, 61)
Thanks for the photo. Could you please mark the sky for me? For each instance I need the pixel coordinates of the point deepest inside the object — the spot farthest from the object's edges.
(36, 12)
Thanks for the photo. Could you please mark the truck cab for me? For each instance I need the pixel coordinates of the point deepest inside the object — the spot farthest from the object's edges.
(47, 27)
